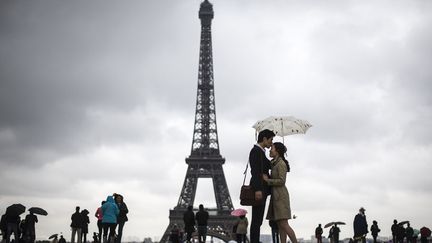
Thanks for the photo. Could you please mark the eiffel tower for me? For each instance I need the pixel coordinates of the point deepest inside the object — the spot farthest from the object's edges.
(205, 160)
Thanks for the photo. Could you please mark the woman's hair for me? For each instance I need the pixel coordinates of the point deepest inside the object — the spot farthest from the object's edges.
(281, 150)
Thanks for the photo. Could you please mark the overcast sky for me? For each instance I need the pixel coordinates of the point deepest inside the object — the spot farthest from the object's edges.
(99, 97)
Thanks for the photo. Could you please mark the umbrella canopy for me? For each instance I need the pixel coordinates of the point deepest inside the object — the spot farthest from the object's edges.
(334, 223)
(15, 209)
(283, 125)
(239, 212)
(53, 236)
(425, 232)
(403, 222)
(37, 210)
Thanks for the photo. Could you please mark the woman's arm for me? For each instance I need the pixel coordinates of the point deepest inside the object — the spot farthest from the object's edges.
(278, 177)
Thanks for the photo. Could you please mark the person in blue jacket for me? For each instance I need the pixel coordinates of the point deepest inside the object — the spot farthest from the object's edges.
(110, 212)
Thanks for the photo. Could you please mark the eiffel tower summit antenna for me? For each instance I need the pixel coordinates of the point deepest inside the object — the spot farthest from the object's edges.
(205, 160)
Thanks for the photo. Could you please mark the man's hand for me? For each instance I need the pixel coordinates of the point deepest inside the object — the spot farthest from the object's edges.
(258, 195)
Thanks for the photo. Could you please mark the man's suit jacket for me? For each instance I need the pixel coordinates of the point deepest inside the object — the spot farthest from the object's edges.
(259, 165)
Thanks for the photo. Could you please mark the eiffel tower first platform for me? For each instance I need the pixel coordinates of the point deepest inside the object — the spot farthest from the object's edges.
(205, 160)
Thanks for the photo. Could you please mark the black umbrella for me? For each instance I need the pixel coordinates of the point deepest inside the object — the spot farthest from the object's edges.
(333, 223)
(403, 222)
(53, 236)
(15, 209)
(37, 210)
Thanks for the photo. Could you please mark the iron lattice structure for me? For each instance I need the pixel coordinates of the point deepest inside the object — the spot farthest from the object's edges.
(205, 160)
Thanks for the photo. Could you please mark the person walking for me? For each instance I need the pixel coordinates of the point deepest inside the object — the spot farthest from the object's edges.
(189, 223)
(122, 217)
(375, 230)
(30, 221)
(99, 216)
(202, 217)
(318, 233)
(360, 226)
(279, 208)
(76, 225)
(260, 166)
(241, 229)
(110, 212)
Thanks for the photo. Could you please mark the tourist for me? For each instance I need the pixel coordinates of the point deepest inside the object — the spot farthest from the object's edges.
(122, 217)
(360, 226)
(189, 223)
(76, 225)
(375, 230)
(241, 229)
(99, 217)
(202, 218)
(110, 212)
(318, 233)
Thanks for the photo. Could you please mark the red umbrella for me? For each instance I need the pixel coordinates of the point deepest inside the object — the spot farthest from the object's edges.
(425, 232)
(239, 212)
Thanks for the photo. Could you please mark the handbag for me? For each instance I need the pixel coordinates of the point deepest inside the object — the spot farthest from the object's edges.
(247, 193)
(247, 196)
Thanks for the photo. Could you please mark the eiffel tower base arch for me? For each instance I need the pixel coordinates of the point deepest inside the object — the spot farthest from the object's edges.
(219, 226)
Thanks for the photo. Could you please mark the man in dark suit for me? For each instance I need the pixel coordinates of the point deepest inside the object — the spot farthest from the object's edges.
(259, 165)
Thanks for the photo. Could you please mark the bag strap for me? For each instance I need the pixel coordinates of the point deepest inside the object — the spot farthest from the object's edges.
(244, 179)
(247, 166)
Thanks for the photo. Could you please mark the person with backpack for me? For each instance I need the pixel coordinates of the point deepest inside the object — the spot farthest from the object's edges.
(110, 212)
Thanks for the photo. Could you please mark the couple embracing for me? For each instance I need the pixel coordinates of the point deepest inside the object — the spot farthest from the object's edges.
(265, 184)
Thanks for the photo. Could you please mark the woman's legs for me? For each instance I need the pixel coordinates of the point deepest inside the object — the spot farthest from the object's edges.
(99, 225)
(111, 237)
(284, 230)
(120, 231)
(105, 232)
